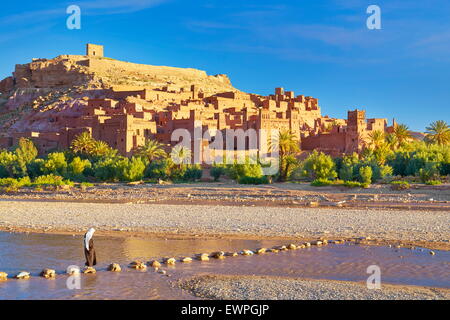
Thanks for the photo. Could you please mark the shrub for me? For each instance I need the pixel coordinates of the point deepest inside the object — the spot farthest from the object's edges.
(217, 171)
(131, 170)
(433, 182)
(239, 170)
(355, 184)
(12, 184)
(254, 180)
(429, 172)
(321, 183)
(346, 173)
(365, 174)
(55, 164)
(8, 164)
(400, 185)
(85, 185)
(159, 169)
(319, 166)
(51, 180)
(77, 168)
(193, 173)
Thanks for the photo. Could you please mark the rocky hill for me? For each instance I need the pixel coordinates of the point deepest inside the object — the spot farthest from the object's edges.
(64, 83)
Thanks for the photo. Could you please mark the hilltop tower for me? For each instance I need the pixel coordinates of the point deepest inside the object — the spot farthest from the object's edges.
(94, 50)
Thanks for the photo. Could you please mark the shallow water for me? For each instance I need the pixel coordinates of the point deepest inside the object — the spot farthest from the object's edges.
(33, 252)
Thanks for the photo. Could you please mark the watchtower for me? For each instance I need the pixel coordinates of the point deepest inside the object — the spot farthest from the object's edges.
(94, 50)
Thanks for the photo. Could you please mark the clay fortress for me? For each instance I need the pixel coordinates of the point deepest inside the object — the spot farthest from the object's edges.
(53, 100)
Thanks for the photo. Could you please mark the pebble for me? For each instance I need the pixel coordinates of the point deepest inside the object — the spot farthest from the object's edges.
(22, 275)
(203, 257)
(155, 264)
(91, 270)
(114, 267)
(48, 273)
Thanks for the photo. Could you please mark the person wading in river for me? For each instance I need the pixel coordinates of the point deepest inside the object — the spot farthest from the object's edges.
(89, 251)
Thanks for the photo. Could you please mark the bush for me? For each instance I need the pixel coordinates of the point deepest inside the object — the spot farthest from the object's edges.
(365, 174)
(433, 182)
(355, 184)
(254, 180)
(217, 171)
(160, 169)
(400, 185)
(55, 164)
(12, 184)
(77, 168)
(131, 170)
(193, 173)
(322, 183)
(240, 170)
(319, 166)
(51, 180)
(429, 172)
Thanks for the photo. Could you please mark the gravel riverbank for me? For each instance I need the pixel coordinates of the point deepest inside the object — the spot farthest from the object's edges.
(276, 288)
(209, 220)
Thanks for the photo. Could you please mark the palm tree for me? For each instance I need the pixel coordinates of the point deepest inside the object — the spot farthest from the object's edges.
(181, 155)
(288, 145)
(391, 140)
(83, 143)
(151, 150)
(401, 132)
(102, 149)
(376, 139)
(438, 132)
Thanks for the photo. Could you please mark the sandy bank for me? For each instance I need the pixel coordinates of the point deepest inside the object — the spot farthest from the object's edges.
(227, 221)
(276, 288)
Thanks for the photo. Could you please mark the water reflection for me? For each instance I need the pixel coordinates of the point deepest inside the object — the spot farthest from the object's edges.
(33, 252)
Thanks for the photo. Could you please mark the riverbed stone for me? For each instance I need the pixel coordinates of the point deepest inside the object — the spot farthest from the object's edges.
(186, 260)
(73, 271)
(22, 275)
(114, 267)
(48, 273)
(171, 261)
(247, 252)
(3, 276)
(155, 264)
(232, 254)
(138, 265)
(89, 270)
(219, 255)
(292, 246)
(261, 251)
(203, 257)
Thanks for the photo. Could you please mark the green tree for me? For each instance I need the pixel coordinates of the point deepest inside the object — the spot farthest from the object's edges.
(77, 167)
(151, 150)
(55, 164)
(319, 166)
(288, 145)
(438, 132)
(402, 134)
(83, 143)
(376, 139)
(365, 174)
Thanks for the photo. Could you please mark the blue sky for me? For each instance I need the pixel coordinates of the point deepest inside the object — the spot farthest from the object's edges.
(314, 47)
